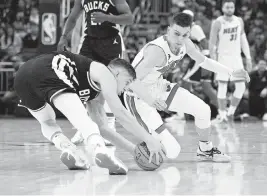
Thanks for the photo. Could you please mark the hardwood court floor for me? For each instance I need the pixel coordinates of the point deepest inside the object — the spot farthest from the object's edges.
(30, 165)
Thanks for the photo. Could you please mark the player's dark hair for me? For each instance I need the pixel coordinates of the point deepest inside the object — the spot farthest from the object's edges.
(125, 65)
(182, 19)
(227, 1)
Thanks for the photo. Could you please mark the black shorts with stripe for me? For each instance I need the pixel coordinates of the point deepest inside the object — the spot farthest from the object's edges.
(102, 50)
(36, 84)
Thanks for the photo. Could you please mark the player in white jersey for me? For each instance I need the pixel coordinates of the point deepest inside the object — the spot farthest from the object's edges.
(153, 61)
(227, 38)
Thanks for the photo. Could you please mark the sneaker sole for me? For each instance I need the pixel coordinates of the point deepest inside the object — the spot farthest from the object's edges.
(68, 160)
(104, 161)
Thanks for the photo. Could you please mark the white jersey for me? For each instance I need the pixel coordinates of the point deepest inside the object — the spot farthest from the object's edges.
(155, 77)
(229, 37)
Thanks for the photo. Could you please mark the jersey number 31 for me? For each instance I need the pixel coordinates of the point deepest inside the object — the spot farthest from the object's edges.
(233, 37)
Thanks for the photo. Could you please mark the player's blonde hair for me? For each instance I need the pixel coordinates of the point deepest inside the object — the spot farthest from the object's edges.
(121, 63)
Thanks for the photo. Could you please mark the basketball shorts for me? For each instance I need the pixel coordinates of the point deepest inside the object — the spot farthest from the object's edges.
(102, 50)
(36, 84)
(234, 62)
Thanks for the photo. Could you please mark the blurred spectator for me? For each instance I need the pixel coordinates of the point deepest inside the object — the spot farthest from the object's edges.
(10, 43)
(258, 90)
(34, 17)
(31, 38)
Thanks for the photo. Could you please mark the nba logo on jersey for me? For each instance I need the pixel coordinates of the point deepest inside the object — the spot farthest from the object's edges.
(49, 29)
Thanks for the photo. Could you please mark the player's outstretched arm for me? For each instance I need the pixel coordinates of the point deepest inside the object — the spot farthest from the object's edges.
(97, 113)
(70, 24)
(212, 65)
(215, 28)
(109, 91)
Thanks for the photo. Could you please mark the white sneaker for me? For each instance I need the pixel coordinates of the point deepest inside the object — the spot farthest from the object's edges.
(104, 157)
(212, 155)
(77, 138)
(264, 118)
(219, 120)
(74, 158)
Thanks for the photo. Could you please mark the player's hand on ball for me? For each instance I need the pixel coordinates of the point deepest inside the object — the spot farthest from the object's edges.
(99, 17)
(155, 148)
(63, 42)
(242, 74)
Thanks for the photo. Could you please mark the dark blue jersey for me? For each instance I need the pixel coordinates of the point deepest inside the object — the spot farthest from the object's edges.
(99, 30)
(77, 73)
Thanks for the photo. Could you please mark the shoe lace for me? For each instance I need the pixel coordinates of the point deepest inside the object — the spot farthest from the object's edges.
(215, 150)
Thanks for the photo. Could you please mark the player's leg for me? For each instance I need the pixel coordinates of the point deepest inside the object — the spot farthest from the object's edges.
(25, 88)
(71, 156)
(150, 119)
(71, 106)
(240, 88)
(222, 100)
(180, 99)
(222, 89)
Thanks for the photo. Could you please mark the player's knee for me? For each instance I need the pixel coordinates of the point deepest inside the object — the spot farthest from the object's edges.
(222, 90)
(203, 111)
(240, 88)
(202, 120)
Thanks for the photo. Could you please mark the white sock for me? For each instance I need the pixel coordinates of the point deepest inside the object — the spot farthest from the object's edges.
(205, 145)
(231, 110)
(222, 113)
(71, 106)
(95, 140)
(61, 141)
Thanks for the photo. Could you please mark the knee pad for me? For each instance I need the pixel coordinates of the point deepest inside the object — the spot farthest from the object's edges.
(202, 120)
(240, 88)
(222, 90)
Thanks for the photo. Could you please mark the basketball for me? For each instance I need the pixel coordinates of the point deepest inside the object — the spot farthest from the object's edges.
(141, 158)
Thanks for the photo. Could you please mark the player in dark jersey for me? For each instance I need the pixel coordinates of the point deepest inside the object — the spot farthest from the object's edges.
(66, 80)
(101, 39)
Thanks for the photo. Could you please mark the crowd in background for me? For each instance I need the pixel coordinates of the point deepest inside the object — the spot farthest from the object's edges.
(18, 29)
(19, 32)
